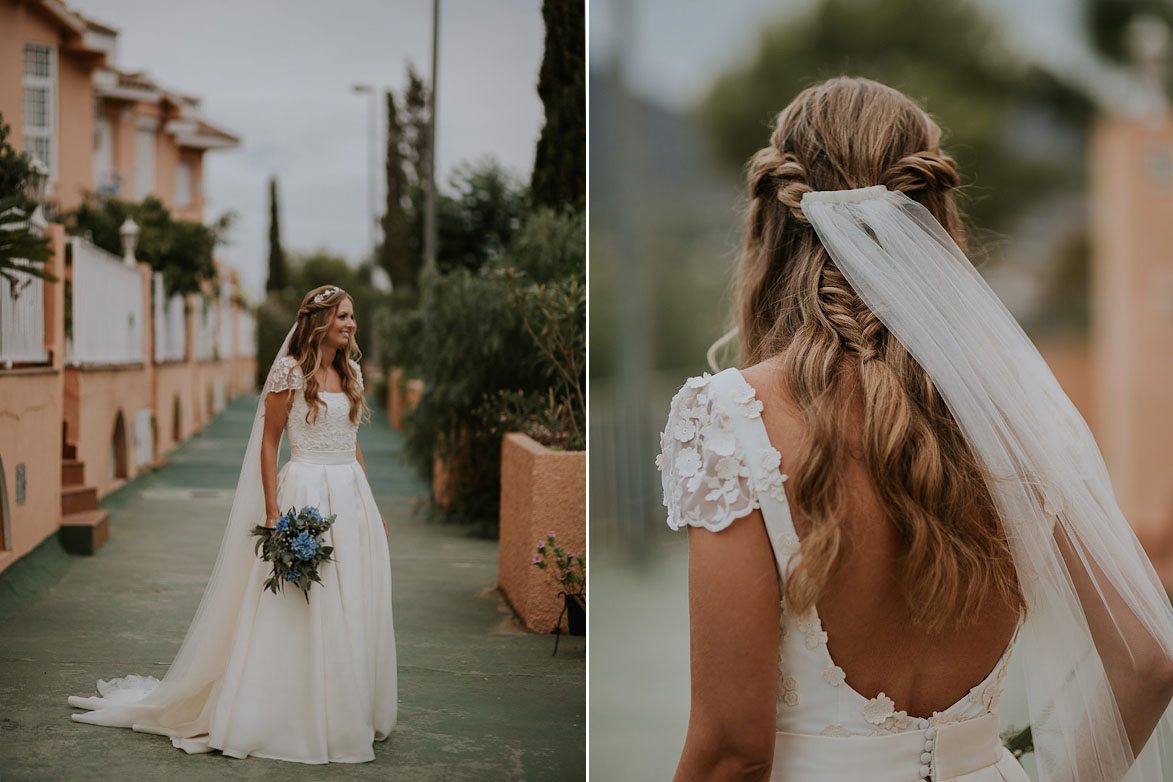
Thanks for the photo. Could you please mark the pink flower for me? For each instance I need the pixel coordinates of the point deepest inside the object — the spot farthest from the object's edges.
(537, 560)
(541, 545)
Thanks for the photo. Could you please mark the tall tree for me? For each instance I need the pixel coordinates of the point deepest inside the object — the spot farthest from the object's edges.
(278, 278)
(393, 255)
(559, 175)
(982, 92)
(417, 127)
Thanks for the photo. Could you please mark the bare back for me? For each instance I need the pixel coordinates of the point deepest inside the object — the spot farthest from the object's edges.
(863, 610)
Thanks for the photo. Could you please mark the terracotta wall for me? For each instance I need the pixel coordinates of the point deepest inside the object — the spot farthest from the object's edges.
(75, 132)
(103, 394)
(30, 426)
(1071, 362)
(32, 415)
(541, 490)
(21, 24)
(173, 382)
(1132, 285)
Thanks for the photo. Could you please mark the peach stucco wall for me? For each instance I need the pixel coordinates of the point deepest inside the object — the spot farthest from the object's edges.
(30, 427)
(20, 24)
(1132, 283)
(1071, 363)
(32, 414)
(541, 490)
(103, 394)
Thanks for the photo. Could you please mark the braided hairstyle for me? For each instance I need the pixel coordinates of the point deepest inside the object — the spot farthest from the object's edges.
(794, 305)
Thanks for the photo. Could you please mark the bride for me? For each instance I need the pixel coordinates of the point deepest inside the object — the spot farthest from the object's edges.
(894, 493)
(266, 674)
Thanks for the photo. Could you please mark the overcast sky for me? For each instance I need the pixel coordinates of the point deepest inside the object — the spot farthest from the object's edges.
(278, 73)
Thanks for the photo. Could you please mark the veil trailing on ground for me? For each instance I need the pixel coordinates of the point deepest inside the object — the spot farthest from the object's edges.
(173, 706)
(1097, 643)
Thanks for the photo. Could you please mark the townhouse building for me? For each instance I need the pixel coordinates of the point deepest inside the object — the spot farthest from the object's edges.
(102, 373)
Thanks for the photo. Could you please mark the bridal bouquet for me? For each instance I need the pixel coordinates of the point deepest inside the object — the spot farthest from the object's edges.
(296, 548)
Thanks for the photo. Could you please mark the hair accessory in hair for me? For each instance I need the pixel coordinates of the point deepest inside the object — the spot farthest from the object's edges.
(326, 294)
(843, 196)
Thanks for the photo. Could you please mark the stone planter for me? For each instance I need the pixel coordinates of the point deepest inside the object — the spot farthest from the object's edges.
(541, 490)
(401, 397)
(443, 483)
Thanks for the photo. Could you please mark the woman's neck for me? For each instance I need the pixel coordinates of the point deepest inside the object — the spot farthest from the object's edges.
(326, 356)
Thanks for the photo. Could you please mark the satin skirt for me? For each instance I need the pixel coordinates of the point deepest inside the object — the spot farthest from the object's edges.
(304, 682)
(963, 752)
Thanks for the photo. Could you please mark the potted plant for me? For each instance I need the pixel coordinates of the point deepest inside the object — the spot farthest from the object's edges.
(569, 571)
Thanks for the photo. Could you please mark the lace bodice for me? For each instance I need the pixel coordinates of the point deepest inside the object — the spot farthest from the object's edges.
(717, 466)
(332, 432)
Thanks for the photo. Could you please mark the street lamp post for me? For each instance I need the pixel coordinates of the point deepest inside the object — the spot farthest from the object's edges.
(372, 164)
(430, 206)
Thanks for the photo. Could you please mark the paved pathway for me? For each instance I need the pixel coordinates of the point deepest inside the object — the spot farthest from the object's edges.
(480, 700)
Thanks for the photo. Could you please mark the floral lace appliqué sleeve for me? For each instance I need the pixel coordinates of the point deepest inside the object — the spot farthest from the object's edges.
(703, 470)
(357, 372)
(285, 374)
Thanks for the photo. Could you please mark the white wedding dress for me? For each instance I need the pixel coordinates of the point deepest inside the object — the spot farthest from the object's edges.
(718, 466)
(285, 679)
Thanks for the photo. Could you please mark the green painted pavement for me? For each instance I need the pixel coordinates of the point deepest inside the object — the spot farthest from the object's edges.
(479, 698)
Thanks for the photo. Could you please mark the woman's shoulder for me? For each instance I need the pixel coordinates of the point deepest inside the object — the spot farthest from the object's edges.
(706, 476)
(285, 374)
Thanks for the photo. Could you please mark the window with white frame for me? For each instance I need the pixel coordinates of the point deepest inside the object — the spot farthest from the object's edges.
(183, 194)
(40, 104)
(144, 162)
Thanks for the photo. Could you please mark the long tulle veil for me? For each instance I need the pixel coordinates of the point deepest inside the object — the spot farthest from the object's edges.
(173, 705)
(1097, 642)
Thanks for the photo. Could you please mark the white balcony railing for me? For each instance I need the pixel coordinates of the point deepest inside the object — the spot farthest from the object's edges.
(107, 308)
(170, 323)
(22, 321)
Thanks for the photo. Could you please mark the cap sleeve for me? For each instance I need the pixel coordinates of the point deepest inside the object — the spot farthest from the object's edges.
(707, 482)
(357, 372)
(284, 375)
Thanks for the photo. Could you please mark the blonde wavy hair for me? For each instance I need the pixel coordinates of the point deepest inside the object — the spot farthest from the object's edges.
(313, 322)
(794, 304)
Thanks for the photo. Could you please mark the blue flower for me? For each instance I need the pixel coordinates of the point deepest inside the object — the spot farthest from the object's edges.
(292, 574)
(304, 546)
(313, 513)
(283, 524)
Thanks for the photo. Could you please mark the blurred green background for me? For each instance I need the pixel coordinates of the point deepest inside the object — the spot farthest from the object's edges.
(681, 94)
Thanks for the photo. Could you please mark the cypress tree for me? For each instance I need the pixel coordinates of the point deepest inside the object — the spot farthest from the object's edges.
(278, 279)
(559, 176)
(393, 252)
(417, 126)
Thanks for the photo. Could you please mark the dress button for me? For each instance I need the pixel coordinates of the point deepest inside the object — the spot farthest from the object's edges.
(922, 723)
(929, 744)
(931, 733)
(924, 771)
(925, 757)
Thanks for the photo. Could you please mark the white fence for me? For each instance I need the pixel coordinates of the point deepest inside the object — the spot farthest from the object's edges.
(107, 308)
(204, 317)
(246, 334)
(170, 323)
(224, 322)
(22, 321)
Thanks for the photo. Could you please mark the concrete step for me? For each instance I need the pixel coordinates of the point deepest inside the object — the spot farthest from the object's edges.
(75, 499)
(73, 472)
(84, 532)
(68, 451)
